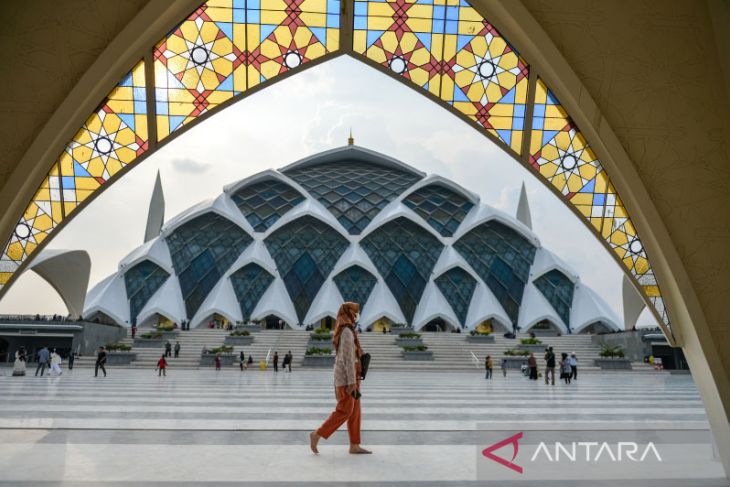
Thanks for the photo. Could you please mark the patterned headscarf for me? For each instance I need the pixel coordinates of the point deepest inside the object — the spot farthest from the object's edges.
(346, 318)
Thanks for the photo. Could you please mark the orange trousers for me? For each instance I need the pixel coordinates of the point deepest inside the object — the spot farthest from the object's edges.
(347, 409)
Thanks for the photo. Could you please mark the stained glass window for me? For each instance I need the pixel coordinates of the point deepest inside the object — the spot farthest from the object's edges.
(452, 52)
(405, 255)
(141, 282)
(250, 282)
(228, 46)
(263, 203)
(354, 192)
(502, 258)
(457, 286)
(441, 207)
(355, 284)
(202, 250)
(305, 251)
(558, 290)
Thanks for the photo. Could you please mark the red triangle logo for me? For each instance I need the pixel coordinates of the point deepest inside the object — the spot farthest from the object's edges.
(514, 441)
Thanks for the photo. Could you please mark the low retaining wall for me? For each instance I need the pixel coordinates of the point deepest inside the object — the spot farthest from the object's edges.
(408, 342)
(120, 358)
(209, 359)
(480, 338)
(613, 363)
(149, 342)
(635, 348)
(425, 355)
(512, 362)
(238, 340)
(319, 361)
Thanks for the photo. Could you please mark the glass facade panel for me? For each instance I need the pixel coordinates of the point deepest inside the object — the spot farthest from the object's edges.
(250, 282)
(502, 258)
(263, 203)
(405, 255)
(202, 250)
(305, 251)
(354, 192)
(457, 286)
(558, 290)
(441, 207)
(355, 284)
(141, 282)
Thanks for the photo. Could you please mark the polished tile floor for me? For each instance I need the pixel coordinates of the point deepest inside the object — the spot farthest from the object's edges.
(201, 427)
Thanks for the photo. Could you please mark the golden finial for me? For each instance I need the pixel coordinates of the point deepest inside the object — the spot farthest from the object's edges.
(350, 140)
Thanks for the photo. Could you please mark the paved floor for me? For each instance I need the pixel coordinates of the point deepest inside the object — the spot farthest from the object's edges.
(199, 427)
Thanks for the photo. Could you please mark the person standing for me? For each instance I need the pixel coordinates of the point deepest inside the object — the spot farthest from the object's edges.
(488, 365)
(276, 361)
(565, 370)
(20, 362)
(573, 366)
(549, 365)
(161, 366)
(241, 360)
(249, 363)
(532, 364)
(289, 361)
(55, 363)
(285, 362)
(177, 349)
(347, 381)
(100, 362)
(71, 358)
(134, 331)
(217, 361)
(43, 357)
(504, 367)
(168, 349)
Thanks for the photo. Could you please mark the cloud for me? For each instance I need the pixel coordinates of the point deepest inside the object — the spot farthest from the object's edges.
(190, 166)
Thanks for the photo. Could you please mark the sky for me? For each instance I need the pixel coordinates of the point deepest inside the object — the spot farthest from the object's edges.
(300, 116)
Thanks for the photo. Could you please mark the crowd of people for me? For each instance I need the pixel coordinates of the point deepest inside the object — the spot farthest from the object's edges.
(567, 367)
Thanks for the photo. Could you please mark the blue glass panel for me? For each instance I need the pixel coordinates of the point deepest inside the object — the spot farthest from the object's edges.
(502, 258)
(354, 192)
(141, 282)
(355, 284)
(263, 203)
(250, 282)
(305, 251)
(202, 250)
(405, 255)
(558, 290)
(441, 207)
(457, 286)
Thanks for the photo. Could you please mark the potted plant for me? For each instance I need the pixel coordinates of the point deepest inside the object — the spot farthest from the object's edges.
(480, 337)
(119, 354)
(239, 338)
(408, 339)
(417, 352)
(531, 345)
(319, 357)
(207, 356)
(150, 339)
(612, 358)
(515, 358)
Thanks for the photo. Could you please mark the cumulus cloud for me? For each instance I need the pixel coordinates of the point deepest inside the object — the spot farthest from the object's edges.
(190, 166)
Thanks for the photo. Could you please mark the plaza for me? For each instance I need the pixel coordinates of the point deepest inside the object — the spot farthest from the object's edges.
(202, 427)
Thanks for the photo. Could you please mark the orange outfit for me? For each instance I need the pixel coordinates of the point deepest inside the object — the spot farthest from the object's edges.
(348, 409)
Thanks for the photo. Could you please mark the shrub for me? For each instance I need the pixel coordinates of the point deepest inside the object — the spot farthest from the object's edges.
(513, 352)
(118, 347)
(318, 351)
(151, 335)
(239, 333)
(480, 333)
(322, 331)
(530, 341)
(221, 349)
(607, 351)
(409, 335)
(417, 348)
(321, 337)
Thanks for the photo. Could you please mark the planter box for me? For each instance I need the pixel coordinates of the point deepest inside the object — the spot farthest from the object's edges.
(313, 335)
(537, 349)
(238, 340)
(544, 333)
(612, 363)
(226, 359)
(398, 331)
(120, 358)
(249, 328)
(320, 344)
(512, 362)
(425, 355)
(480, 338)
(319, 361)
(149, 342)
(408, 342)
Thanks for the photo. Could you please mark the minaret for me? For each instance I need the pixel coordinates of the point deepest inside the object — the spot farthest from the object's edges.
(350, 140)
(156, 212)
(523, 208)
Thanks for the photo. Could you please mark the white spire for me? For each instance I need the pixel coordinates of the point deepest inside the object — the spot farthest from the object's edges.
(523, 209)
(156, 214)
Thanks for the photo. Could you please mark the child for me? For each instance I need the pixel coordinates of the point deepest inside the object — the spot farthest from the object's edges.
(161, 364)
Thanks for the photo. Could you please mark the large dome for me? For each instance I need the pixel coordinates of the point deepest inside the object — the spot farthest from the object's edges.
(348, 224)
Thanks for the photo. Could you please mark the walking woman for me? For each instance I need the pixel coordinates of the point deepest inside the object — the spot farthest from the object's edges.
(20, 359)
(347, 381)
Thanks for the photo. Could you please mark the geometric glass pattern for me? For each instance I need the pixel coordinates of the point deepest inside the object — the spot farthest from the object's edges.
(502, 258)
(354, 192)
(457, 286)
(561, 154)
(441, 207)
(263, 203)
(558, 290)
(305, 251)
(141, 282)
(111, 138)
(355, 284)
(226, 47)
(202, 250)
(250, 282)
(452, 52)
(405, 255)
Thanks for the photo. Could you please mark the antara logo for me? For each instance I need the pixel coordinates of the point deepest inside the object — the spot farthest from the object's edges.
(514, 441)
